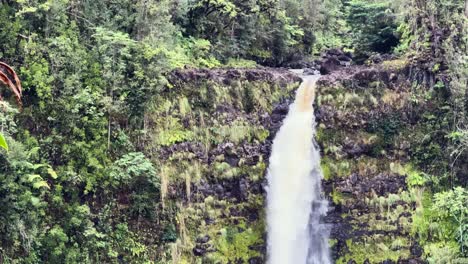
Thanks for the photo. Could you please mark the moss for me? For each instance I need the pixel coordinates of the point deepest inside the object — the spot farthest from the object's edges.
(351, 100)
(224, 170)
(261, 134)
(423, 216)
(326, 169)
(328, 136)
(333, 90)
(375, 249)
(442, 252)
(170, 131)
(184, 106)
(414, 177)
(235, 242)
(395, 64)
(332, 168)
(237, 131)
(257, 171)
(376, 84)
(337, 197)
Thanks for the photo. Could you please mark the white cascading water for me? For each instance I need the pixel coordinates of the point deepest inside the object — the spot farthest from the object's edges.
(295, 204)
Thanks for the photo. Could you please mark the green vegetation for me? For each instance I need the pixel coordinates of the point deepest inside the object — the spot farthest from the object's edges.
(3, 142)
(117, 148)
(373, 26)
(375, 250)
(234, 245)
(452, 206)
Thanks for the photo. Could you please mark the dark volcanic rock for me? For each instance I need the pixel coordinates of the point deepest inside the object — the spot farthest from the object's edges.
(329, 65)
(416, 250)
(256, 260)
(332, 60)
(199, 251)
(381, 184)
(203, 239)
(281, 76)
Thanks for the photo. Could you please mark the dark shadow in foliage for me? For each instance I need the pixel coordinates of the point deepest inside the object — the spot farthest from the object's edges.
(373, 26)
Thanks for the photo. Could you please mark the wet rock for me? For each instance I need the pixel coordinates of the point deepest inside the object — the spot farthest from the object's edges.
(199, 251)
(353, 179)
(219, 190)
(225, 75)
(209, 221)
(329, 65)
(413, 261)
(379, 58)
(333, 59)
(203, 239)
(344, 57)
(381, 184)
(256, 260)
(281, 110)
(238, 190)
(244, 187)
(354, 149)
(252, 215)
(235, 212)
(333, 52)
(416, 250)
(232, 160)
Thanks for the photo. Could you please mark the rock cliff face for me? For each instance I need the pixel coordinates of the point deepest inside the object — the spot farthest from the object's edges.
(214, 152)
(377, 134)
(214, 132)
(368, 123)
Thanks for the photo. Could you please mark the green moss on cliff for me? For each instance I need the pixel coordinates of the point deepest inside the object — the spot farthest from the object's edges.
(235, 242)
(224, 149)
(375, 249)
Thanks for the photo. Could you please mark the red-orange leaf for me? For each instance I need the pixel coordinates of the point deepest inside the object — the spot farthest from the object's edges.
(9, 77)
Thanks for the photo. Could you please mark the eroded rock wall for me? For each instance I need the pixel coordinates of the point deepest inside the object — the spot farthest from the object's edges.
(211, 137)
(371, 126)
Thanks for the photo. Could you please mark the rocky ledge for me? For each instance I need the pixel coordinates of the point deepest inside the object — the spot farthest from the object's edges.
(368, 129)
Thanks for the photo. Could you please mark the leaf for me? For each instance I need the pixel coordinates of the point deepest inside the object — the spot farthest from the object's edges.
(33, 151)
(40, 184)
(33, 177)
(52, 173)
(3, 142)
(35, 201)
(9, 77)
(38, 166)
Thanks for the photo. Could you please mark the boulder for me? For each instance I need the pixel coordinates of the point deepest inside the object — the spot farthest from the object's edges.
(329, 65)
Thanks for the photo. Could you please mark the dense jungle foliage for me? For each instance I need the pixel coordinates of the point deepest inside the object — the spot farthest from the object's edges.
(83, 174)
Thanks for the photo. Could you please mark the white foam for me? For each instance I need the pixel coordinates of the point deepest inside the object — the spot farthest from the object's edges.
(294, 202)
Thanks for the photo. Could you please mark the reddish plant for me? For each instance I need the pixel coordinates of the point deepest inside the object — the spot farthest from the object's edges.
(9, 77)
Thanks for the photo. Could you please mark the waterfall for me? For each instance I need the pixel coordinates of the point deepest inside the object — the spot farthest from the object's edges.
(294, 203)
